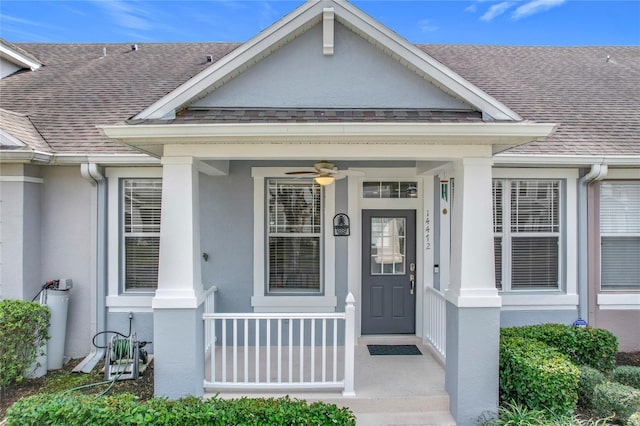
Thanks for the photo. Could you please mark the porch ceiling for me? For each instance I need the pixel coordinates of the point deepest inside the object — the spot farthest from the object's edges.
(413, 140)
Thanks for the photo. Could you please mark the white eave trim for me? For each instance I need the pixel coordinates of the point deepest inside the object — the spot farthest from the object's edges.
(632, 160)
(299, 20)
(29, 156)
(143, 134)
(24, 156)
(18, 58)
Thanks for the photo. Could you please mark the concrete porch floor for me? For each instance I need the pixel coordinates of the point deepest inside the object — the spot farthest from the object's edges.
(390, 390)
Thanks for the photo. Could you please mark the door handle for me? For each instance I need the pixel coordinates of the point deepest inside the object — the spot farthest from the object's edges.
(412, 280)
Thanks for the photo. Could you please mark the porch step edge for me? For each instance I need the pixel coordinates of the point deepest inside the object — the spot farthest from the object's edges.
(430, 418)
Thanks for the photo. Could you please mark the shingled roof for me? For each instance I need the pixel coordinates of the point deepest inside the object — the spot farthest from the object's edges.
(592, 92)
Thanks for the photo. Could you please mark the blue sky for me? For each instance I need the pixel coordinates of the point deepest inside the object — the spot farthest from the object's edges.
(514, 22)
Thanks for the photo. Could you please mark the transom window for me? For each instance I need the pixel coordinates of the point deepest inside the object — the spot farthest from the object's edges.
(294, 235)
(141, 202)
(389, 189)
(527, 246)
(620, 235)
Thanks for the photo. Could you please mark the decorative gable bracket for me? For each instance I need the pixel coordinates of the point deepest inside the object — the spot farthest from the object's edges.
(327, 30)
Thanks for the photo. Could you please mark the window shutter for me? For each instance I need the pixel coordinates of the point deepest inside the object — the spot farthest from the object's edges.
(497, 252)
(620, 235)
(294, 235)
(142, 210)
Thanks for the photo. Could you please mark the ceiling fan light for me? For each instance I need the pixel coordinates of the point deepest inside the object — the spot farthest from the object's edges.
(324, 180)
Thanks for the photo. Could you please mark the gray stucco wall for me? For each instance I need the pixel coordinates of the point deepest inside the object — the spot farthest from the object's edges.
(531, 317)
(67, 248)
(20, 252)
(357, 75)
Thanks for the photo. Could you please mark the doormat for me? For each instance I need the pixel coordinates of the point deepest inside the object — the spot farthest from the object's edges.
(393, 350)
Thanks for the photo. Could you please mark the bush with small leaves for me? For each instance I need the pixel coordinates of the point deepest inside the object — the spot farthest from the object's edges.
(125, 409)
(589, 379)
(627, 375)
(634, 420)
(23, 331)
(617, 400)
(537, 376)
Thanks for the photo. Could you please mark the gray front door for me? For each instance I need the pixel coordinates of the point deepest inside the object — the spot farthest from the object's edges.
(388, 271)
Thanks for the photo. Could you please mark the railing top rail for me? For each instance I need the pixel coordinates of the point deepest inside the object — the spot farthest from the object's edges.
(276, 315)
(212, 289)
(435, 290)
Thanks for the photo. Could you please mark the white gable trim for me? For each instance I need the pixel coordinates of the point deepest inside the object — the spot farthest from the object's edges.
(7, 139)
(18, 58)
(299, 21)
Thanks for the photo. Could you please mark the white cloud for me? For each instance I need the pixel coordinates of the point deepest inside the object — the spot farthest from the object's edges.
(471, 8)
(534, 7)
(427, 26)
(496, 10)
(126, 14)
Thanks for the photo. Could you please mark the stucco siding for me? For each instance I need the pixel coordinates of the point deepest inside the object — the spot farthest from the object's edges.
(67, 248)
(357, 75)
(531, 317)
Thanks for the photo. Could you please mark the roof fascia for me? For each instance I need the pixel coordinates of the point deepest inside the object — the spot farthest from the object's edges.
(417, 60)
(152, 137)
(18, 58)
(25, 156)
(555, 160)
(246, 55)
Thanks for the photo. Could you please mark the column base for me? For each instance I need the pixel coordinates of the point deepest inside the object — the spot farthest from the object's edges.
(473, 339)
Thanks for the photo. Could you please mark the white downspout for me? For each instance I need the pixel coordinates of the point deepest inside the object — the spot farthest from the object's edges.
(597, 172)
(91, 172)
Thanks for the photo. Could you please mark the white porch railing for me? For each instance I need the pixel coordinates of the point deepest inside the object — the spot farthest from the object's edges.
(436, 331)
(209, 308)
(272, 351)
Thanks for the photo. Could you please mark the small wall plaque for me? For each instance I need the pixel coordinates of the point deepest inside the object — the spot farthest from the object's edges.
(341, 225)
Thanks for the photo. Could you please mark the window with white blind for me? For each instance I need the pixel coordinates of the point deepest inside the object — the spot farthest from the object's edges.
(140, 209)
(294, 236)
(527, 247)
(620, 235)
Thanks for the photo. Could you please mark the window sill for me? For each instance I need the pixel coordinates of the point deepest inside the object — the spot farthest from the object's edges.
(556, 301)
(294, 304)
(619, 301)
(130, 302)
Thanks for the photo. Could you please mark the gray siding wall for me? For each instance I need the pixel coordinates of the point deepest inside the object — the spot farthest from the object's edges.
(518, 318)
(7, 68)
(358, 75)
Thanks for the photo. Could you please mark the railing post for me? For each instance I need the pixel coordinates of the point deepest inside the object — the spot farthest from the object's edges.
(349, 346)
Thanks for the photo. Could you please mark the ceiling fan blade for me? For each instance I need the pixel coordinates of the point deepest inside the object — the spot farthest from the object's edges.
(302, 172)
(338, 176)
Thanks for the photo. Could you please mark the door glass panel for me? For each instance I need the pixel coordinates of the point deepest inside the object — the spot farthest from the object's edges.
(388, 245)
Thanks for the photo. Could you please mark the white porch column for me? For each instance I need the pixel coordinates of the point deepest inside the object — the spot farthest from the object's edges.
(178, 330)
(473, 303)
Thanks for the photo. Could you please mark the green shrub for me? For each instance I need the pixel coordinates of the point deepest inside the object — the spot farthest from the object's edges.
(537, 376)
(23, 330)
(634, 420)
(594, 347)
(627, 375)
(124, 409)
(615, 399)
(589, 379)
(518, 415)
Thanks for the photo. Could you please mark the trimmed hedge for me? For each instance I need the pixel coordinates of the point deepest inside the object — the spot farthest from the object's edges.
(23, 330)
(593, 347)
(124, 409)
(537, 376)
(589, 379)
(627, 375)
(616, 399)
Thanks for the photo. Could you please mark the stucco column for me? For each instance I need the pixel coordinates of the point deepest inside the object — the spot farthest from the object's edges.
(177, 311)
(473, 303)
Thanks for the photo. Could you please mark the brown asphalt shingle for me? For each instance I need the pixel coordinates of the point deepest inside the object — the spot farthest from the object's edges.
(595, 101)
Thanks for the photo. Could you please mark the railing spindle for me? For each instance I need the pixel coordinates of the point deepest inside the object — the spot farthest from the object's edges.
(301, 346)
(246, 350)
(235, 350)
(279, 350)
(324, 349)
(257, 350)
(335, 349)
(224, 349)
(268, 350)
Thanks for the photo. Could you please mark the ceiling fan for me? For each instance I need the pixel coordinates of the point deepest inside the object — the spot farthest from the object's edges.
(326, 173)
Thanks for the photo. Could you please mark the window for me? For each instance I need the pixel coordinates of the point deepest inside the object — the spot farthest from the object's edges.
(294, 235)
(527, 247)
(620, 235)
(140, 204)
(389, 189)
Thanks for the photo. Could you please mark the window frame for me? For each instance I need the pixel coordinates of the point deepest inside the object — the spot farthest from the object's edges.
(564, 297)
(612, 299)
(120, 299)
(265, 301)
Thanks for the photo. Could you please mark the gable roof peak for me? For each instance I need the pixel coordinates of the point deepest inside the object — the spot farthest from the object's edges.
(307, 15)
